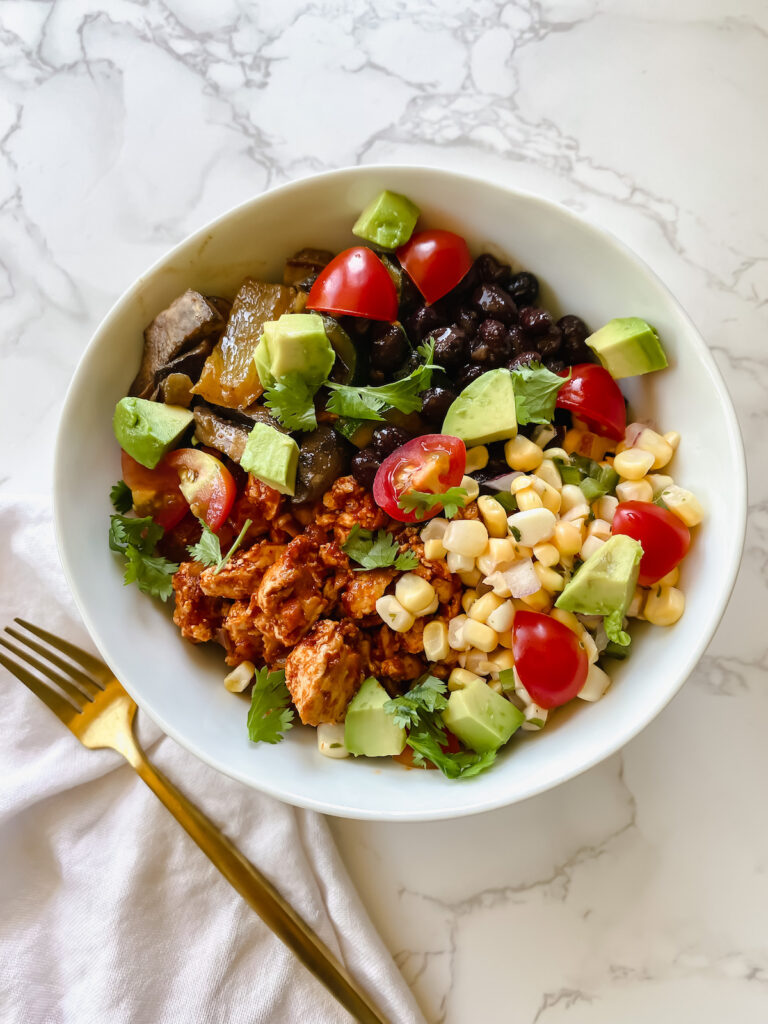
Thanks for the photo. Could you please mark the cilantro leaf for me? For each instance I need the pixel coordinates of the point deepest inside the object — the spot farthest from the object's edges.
(208, 548)
(291, 401)
(421, 502)
(367, 403)
(536, 390)
(378, 552)
(612, 624)
(270, 715)
(507, 501)
(419, 712)
(152, 574)
(142, 534)
(121, 497)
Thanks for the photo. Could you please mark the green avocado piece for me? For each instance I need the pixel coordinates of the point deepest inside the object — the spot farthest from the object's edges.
(628, 346)
(296, 343)
(388, 221)
(606, 582)
(368, 729)
(148, 430)
(481, 718)
(485, 410)
(272, 456)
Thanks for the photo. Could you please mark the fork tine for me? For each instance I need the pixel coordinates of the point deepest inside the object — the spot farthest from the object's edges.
(91, 686)
(87, 661)
(60, 707)
(75, 695)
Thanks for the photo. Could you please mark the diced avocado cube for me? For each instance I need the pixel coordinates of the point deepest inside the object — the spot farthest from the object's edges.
(481, 718)
(605, 584)
(271, 456)
(368, 728)
(148, 430)
(485, 410)
(388, 221)
(628, 346)
(296, 343)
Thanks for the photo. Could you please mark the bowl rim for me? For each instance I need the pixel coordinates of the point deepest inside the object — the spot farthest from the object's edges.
(474, 804)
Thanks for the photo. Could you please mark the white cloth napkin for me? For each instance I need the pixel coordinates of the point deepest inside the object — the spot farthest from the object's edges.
(108, 911)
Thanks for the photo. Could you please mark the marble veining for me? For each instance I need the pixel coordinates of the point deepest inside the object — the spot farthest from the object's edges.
(637, 891)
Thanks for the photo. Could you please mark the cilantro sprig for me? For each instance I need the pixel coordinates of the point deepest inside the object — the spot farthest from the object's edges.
(419, 712)
(208, 548)
(422, 502)
(137, 539)
(291, 401)
(536, 390)
(368, 403)
(377, 552)
(270, 715)
(121, 497)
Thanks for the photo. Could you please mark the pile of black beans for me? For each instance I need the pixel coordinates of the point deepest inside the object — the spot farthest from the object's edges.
(490, 319)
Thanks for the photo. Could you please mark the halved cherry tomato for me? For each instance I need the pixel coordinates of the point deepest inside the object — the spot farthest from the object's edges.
(206, 483)
(665, 539)
(594, 396)
(433, 463)
(355, 283)
(155, 491)
(549, 659)
(435, 261)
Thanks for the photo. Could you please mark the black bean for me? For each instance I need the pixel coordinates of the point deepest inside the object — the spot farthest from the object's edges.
(573, 350)
(524, 359)
(492, 301)
(489, 269)
(468, 374)
(492, 346)
(386, 439)
(534, 320)
(573, 327)
(524, 288)
(410, 296)
(451, 346)
(549, 343)
(435, 404)
(388, 347)
(364, 467)
(467, 319)
(517, 340)
(555, 365)
(423, 320)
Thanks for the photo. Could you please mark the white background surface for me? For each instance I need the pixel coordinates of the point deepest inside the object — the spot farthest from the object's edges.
(638, 891)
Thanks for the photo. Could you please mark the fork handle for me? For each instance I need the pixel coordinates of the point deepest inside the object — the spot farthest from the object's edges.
(259, 893)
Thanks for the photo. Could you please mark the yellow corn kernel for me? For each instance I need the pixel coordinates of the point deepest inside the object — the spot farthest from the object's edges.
(556, 453)
(658, 482)
(547, 554)
(636, 605)
(599, 528)
(471, 486)
(501, 660)
(466, 537)
(483, 606)
(435, 529)
(541, 601)
(239, 678)
(522, 454)
(576, 515)
(468, 598)
(568, 619)
(550, 497)
(501, 618)
(571, 497)
(673, 439)
(549, 473)
(471, 577)
(595, 685)
(633, 464)
(605, 507)
(685, 505)
(431, 608)
(459, 563)
(477, 458)
(567, 538)
(590, 546)
(634, 490)
(461, 677)
(648, 440)
(477, 634)
(572, 440)
(670, 580)
(456, 639)
(496, 686)
(475, 661)
(506, 639)
(435, 640)
(434, 550)
(499, 554)
(520, 483)
(590, 647)
(528, 499)
(393, 614)
(493, 515)
(330, 740)
(664, 605)
(549, 579)
(414, 593)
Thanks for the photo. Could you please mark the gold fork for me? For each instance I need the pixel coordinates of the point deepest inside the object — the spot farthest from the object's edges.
(94, 706)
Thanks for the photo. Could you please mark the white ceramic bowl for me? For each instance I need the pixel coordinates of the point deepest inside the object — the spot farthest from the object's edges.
(585, 271)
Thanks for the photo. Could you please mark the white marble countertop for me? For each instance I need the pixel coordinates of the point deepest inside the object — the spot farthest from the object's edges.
(638, 891)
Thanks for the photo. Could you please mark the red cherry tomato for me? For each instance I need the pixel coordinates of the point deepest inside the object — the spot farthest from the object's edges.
(594, 396)
(665, 539)
(551, 662)
(155, 491)
(435, 261)
(206, 483)
(355, 283)
(433, 463)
